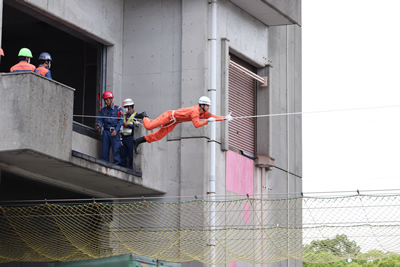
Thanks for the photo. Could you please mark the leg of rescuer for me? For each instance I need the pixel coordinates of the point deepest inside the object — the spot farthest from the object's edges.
(163, 119)
(158, 135)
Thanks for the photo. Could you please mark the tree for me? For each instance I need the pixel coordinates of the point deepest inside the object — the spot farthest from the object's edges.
(340, 246)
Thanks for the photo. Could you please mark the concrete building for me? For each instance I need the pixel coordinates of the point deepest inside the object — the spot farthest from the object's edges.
(163, 54)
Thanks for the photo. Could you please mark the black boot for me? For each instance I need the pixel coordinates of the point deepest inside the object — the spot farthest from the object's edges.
(144, 114)
(137, 142)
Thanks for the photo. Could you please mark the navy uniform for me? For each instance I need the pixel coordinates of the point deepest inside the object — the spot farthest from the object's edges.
(127, 140)
(111, 119)
(127, 132)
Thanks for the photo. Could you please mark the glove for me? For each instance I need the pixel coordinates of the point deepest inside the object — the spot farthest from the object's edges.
(211, 119)
(229, 117)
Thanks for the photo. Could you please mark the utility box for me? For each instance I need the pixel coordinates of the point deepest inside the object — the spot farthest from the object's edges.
(129, 260)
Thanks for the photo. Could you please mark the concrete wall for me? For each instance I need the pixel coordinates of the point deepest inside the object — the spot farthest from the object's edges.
(87, 145)
(285, 131)
(27, 106)
(152, 55)
(285, 87)
(248, 37)
(289, 8)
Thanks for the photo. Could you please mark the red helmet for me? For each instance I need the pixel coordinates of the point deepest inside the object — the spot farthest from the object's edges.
(108, 94)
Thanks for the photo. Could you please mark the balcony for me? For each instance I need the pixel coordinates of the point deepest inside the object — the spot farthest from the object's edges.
(41, 142)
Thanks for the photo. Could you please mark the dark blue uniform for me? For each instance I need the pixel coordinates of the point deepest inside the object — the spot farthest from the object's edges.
(127, 141)
(111, 118)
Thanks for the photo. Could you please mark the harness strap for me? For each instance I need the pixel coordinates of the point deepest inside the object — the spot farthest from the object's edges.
(172, 121)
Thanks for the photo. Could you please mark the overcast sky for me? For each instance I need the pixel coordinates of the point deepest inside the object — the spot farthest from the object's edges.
(351, 58)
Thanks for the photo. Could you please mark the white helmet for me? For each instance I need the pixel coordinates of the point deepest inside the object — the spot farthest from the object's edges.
(128, 102)
(204, 100)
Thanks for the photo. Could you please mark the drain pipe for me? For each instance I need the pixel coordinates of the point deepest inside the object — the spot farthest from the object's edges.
(213, 97)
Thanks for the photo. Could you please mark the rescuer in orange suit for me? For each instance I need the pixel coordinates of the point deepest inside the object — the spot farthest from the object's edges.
(170, 119)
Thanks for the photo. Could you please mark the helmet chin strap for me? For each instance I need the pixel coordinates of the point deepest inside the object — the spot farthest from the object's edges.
(202, 107)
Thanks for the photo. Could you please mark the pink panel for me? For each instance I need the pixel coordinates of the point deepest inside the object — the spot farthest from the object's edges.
(232, 264)
(239, 173)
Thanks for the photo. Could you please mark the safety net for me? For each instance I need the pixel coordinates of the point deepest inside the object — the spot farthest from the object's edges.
(310, 229)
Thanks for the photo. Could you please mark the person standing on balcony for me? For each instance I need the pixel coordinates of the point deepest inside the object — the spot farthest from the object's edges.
(111, 119)
(24, 65)
(127, 132)
(170, 119)
(44, 65)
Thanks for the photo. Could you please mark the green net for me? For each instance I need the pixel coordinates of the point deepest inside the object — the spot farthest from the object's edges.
(315, 230)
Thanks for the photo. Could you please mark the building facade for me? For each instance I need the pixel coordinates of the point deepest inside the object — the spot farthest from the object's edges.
(164, 54)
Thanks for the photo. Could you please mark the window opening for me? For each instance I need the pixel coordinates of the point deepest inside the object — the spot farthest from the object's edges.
(76, 58)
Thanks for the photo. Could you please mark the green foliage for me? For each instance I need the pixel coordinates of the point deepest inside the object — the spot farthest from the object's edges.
(339, 246)
(334, 252)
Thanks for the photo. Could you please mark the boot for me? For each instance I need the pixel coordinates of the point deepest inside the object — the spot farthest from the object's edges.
(144, 114)
(137, 142)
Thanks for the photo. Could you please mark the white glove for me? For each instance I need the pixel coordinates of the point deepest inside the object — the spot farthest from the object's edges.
(211, 119)
(229, 117)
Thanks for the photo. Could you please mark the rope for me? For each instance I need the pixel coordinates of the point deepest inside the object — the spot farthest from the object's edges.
(311, 112)
(279, 114)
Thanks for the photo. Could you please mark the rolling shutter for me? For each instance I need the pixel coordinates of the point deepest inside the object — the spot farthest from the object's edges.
(242, 103)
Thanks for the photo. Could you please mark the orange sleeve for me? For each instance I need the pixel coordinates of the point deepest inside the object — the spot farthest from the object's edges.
(196, 121)
(208, 115)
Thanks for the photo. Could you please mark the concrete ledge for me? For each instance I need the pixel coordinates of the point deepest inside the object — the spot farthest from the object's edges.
(105, 164)
(85, 175)
(264, 161)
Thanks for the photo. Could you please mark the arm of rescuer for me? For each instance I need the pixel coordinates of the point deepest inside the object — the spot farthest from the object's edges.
(205, 115)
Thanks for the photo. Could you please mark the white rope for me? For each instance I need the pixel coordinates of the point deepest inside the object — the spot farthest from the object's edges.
(310, 112)
(274, 115)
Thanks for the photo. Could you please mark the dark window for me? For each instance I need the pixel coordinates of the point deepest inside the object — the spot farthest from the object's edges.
(76, 58)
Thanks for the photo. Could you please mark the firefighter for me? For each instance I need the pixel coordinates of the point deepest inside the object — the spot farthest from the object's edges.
(24, 65)
(44, 65)
(111, 119)
(170, 119)
(127, 132)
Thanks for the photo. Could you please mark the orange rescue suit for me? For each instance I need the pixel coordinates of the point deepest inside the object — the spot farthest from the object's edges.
(170, 119)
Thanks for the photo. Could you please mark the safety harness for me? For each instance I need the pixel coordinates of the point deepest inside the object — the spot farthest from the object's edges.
(172, 121)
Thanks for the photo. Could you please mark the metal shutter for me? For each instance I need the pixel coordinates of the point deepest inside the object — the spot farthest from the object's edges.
(242, 103)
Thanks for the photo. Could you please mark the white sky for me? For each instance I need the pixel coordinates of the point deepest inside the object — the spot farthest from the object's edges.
(351, 59)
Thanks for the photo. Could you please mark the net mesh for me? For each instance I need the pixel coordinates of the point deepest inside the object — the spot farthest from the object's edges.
(315, 230)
